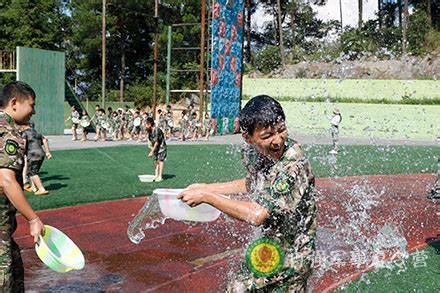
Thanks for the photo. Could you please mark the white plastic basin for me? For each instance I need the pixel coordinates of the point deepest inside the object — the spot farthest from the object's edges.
(146, 178)
(58, 251)
(174, 208)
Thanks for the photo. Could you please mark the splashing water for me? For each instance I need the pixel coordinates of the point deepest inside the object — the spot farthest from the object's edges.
(148, 217)
(354, 239)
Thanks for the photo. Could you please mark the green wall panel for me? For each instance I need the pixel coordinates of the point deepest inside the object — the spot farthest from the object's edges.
(45, 71)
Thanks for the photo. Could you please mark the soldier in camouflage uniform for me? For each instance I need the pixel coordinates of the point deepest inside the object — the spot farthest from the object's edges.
(17, 101)
(282, 203)
(158, 147)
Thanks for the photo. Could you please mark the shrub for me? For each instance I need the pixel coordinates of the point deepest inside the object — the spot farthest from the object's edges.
(268, 59)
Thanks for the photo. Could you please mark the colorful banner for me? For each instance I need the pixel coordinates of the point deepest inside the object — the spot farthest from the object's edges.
(226, 66)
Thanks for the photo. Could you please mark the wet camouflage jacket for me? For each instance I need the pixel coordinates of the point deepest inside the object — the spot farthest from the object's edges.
(285, 189)
(156, 135)
(12, 148)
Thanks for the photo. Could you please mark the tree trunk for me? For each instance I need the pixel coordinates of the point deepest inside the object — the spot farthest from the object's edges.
(428, 11)
(248, 31)
(379, 12)
(405, 28)
(293, 22)
(360, 8)
(399, 6)
(340, 14)
(121, 77)
(280, 27)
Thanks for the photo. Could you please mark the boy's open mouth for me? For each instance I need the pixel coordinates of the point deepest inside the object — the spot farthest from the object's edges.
(276, 150)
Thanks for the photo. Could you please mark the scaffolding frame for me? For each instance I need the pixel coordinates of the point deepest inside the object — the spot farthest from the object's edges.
(8, 61)
(204, 69)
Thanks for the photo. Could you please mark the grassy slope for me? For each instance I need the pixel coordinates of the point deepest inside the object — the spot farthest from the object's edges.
(365, 120)
(347, 88)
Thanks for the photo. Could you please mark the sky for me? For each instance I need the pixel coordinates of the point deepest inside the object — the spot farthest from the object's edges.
(349, 11)
(331, 11)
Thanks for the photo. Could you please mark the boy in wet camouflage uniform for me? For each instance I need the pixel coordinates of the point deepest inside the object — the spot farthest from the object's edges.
(158, 147)
(17, 101)
(281, 203)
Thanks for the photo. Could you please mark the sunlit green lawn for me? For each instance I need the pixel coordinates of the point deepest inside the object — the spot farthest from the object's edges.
(90, 175)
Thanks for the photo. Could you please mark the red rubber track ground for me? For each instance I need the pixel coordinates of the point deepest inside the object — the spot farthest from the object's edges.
(180, 258)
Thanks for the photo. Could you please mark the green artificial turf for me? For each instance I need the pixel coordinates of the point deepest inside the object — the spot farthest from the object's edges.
(419, 273)
(90, 175)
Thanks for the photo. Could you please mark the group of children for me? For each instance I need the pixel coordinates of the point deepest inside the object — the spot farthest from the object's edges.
(130, 124)
(279, 183)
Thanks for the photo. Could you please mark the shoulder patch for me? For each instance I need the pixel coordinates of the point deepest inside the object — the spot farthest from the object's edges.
(280, 185)
(11, 147)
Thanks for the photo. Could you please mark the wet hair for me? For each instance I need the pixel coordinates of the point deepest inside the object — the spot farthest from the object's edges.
(17, 89)
(150, 121)
(260, 110)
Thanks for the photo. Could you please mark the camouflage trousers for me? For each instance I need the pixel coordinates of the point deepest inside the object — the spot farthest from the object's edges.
(243, 285)
(245, 282)
(11, 267)
(335, 136)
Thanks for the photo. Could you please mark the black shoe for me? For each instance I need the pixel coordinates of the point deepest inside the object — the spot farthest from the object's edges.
(435, 194)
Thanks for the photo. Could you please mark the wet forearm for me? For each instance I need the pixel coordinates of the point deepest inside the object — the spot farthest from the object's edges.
(249, 212)
(230, 187)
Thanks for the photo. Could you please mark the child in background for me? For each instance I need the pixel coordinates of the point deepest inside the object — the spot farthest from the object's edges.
(85, 122)
(143, 134)
(95, 118)
(130, 125)
(207, 126)
(116, 121)
(37, 147)
(194, 125)
(170, 124)
(103, 125)
(75, 118)
(162, 120)
(184, 124)
(158, 148)
(334, 123)
(137, 121)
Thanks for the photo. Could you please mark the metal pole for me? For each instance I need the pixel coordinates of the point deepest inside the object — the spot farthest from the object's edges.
(167, 99)
(208, 62)
(156, 20)
(103, 54)
(202, 60)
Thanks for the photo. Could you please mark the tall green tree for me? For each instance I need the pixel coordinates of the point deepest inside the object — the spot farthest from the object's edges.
(36, 24)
